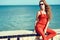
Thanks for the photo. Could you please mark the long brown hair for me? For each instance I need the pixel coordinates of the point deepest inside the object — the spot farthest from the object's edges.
(47, 9)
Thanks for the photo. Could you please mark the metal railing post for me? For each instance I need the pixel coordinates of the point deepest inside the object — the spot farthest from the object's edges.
(8, 38)
(18, 38)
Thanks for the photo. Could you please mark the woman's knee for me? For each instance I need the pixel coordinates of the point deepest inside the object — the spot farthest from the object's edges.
(54, 33)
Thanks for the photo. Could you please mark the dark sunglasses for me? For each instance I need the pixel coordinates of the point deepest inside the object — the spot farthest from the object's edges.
(41, 4)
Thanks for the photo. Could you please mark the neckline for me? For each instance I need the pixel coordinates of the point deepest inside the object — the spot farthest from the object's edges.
(42, 13)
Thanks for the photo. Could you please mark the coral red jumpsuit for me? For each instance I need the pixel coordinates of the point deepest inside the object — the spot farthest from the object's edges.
(40, 26)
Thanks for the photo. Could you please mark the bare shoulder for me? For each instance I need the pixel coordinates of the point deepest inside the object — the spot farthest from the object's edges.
(39, 12)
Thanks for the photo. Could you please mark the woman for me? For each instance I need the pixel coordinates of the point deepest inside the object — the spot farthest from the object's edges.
(42, 21)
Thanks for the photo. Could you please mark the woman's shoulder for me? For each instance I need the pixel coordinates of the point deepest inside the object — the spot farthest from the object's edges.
(39, 12)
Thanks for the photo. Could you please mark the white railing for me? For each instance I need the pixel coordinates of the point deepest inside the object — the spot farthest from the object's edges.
(25, 36)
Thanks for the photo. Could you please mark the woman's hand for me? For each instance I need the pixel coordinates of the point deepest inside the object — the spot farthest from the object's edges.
(34, 31)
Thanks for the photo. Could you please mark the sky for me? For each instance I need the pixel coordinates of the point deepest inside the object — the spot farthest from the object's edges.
(27, 2)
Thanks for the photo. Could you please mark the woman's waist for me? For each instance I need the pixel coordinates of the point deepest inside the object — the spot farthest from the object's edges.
(42, 22)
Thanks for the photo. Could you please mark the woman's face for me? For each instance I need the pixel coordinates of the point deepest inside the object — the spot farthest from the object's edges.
(42, 6)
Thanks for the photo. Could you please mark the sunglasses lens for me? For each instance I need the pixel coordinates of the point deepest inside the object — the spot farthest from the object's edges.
(41, 4)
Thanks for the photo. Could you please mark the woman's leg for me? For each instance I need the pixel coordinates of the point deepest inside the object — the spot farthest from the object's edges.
(40, 32)
(51, 33)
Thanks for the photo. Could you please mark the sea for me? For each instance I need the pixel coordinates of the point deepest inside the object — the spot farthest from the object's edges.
(23, 17)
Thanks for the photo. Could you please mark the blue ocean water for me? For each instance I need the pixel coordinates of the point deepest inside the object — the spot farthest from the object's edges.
(22, 17)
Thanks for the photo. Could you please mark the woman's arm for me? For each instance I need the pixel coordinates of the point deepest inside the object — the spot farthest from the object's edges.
(46, 27)
(38, 13)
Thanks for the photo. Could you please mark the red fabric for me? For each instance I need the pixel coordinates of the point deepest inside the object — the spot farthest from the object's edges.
(41, 24)
(42, 21)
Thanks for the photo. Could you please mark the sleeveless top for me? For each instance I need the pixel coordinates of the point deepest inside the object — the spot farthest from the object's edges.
(42, 18)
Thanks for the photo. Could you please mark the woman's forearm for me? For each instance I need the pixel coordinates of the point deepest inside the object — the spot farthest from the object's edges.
(46, 27)
(47, 24)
